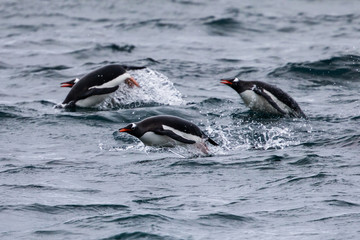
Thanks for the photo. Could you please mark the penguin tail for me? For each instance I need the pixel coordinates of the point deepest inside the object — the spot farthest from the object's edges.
(133, 67)
(298, 114)
(212, 142)
(302, 114)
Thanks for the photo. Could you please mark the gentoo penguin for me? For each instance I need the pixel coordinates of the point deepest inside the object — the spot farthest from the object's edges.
(168, 131)
(94, 87)
(266, 98)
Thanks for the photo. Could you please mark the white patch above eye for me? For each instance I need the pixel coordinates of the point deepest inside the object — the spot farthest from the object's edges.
(236, 80)
(133, 125)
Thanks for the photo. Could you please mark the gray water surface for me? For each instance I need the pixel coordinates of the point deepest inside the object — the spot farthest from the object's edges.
(71, 175)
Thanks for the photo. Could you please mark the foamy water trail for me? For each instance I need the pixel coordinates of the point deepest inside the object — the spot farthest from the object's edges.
(156, 89)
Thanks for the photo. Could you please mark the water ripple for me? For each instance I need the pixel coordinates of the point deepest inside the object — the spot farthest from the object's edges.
(221, 218)
(346, 67)
(138, 235)
(341, 203)
(58, 209)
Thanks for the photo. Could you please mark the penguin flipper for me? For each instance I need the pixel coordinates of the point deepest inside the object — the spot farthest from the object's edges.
(269, 99)
(174, 136)
(98, 91)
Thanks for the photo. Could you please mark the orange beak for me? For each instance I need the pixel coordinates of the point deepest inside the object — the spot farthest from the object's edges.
(124, 130)
(223, 81)
(66, 85)
(131, 82)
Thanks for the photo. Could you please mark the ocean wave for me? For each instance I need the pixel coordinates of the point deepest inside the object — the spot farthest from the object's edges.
(341, 203)
(29, 187)
(25, 110)
(307, 160)
(48, 233)
(151, 23)
(152, 200)
(140, 218)
(195, 163)
(96, 49)
(317, 177)
(221, 22)
(340, 217)
(137, 235)
(225, 26)
(49, 72)
(346, 67)
(345, 140)
(8, 113)
(38, 187)
(73, 208)
(4, 65)
(327, 18)
(31, 169)
(91, 115)
(221, 218)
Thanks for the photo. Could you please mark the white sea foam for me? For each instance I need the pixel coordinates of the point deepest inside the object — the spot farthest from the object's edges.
(266, 137)
(155, 89)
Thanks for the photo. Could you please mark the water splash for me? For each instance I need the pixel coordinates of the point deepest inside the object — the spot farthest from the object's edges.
(244, 135)
(270, 137)
(156, 89)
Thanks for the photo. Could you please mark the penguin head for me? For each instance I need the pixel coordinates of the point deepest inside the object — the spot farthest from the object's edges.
(234, 83)
(132, 129)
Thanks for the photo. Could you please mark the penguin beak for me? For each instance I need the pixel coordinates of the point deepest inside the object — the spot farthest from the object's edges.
(227, 82)
(68, 84)
(124, 130)
(131, 82)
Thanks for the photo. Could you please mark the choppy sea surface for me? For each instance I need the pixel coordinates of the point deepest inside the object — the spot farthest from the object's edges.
(71, 175)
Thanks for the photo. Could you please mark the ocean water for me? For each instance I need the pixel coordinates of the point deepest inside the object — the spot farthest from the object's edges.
(71, 175)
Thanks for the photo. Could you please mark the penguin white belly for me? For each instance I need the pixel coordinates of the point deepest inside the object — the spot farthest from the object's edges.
(152, 139)
(91, 101)
(258, 103)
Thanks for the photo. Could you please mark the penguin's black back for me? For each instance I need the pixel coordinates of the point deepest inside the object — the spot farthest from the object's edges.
(171, 121)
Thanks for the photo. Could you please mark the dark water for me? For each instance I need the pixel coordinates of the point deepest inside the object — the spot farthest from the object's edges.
(70, 175)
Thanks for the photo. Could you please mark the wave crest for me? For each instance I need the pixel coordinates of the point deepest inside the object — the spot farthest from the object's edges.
(345, 67)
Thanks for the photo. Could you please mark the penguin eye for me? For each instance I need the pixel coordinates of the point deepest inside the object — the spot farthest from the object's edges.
(133, 126)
